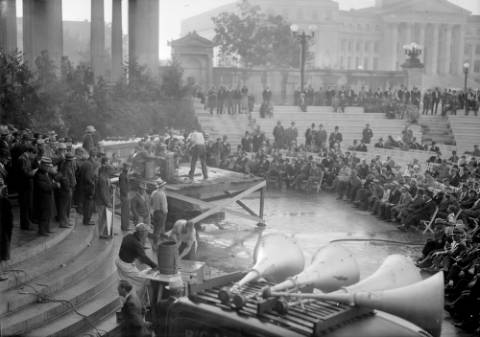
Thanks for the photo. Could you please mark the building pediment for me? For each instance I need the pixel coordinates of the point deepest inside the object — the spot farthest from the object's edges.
(192, 40)
(425, 6)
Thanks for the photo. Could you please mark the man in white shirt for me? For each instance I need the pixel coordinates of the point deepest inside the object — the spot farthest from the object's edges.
(197, 150)
(159, 208)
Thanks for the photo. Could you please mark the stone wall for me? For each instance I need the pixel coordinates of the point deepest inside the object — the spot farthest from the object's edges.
(284, 82)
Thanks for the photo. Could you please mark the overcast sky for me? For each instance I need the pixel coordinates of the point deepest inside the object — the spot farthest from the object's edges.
(172, 12)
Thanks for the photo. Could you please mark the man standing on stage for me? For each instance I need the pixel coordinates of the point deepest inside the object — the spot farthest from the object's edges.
(196, 143)
(159, 207)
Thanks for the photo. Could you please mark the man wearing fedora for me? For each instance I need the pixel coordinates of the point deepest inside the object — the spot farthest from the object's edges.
(43, 187)
(90, 142)
(159, 207)
(123, 182)
(140, 205)
(66, 178)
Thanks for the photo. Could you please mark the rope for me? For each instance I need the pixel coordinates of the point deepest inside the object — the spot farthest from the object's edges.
(380, 240)
(43, 298)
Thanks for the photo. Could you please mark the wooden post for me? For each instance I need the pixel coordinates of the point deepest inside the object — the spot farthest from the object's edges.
(262, 204)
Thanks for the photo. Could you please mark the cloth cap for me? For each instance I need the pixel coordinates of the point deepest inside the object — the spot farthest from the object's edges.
(141, 227)
(69, 156)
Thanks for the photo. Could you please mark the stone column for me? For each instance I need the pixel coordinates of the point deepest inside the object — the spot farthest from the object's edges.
(8, 25)
(434, 50)
(143, 33)
(97, 37)
(408, 33)
(422, 41)
(447, 50)
(117, 40)
(394, 46)
(42, 29)
(461, 50)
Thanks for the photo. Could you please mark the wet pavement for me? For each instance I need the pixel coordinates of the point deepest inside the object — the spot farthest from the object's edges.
(314, 220)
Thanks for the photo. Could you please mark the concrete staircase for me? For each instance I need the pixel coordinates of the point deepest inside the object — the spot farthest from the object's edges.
(216, 126)
(351, 123)
(61, 286)
(466, 130)
(436, 128)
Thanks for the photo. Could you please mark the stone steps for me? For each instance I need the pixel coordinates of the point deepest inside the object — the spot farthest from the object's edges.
(72, 272)
(103, 305)
(54, 272)
(49, 260)
(91, 274)
(466, 130)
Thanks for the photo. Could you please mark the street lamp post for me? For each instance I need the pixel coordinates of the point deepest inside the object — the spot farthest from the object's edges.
(466, 68)
(303, 36)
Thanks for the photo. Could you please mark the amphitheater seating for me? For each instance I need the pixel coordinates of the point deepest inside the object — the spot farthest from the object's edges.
(401, 158)
(466, 130)
(234, 126)
(70, 269)
(351, 123)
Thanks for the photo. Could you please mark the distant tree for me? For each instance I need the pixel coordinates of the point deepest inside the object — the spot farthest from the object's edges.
(17, 92)
(258, 39)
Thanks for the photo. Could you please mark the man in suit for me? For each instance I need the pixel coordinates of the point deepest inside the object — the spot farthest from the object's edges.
(140, 205)
(132, 323)
(25, 185)
(43, 187)
(124, 182)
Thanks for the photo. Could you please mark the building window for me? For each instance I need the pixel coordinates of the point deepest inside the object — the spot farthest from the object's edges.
(357, 62)
(344, 45)
(376, 46)
(350, 46)
(300, 14)
(477, 49)
(468, 49)
(367, 46)
(349, 65)
(375, 63)
(358, 46)
(476, 66)
(341, 62)
(365, 63)
(315, 16)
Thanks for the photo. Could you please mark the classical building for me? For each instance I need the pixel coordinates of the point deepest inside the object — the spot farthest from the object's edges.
(373, 38)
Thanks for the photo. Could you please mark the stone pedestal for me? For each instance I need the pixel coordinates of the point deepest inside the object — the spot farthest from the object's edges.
(415, 78)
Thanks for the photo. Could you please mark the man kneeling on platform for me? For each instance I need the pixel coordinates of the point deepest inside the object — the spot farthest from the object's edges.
(132, 249)
(185, 235)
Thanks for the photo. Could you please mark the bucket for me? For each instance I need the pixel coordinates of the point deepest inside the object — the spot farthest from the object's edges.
(167, 256)
(150, 168)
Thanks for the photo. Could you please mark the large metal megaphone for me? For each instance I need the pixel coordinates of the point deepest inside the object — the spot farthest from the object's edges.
(420, 303)
(395, 271)
(276, 258)
(332, 268)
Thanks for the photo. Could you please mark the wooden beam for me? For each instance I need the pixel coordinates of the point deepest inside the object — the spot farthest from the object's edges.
(245, 207)
(225, 203)
(209, 205)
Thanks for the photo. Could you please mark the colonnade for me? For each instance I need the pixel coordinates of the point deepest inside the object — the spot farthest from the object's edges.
(443, 45)
(43, 30)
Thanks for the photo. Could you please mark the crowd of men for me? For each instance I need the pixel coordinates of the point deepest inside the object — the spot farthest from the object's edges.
(229, 100)
(448, 100)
